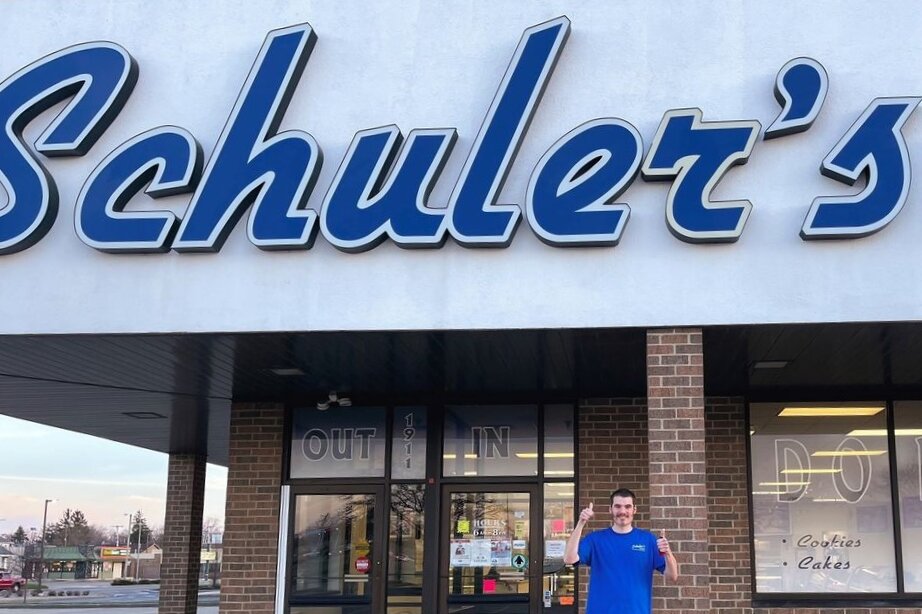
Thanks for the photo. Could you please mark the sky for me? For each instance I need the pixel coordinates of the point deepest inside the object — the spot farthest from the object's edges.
(104, 479)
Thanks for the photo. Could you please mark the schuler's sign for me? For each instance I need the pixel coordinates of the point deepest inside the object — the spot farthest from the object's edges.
(382, 187)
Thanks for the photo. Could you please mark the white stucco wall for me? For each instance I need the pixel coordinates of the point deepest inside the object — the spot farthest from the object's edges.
(437, 64)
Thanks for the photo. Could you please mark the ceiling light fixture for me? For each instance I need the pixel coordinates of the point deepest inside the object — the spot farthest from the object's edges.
(784, 483)
(770, 364)
(287, 371)
(334, 400)
(805, 471)
(546, 455)
(144, 415)
(823, 453)
(883, 433)
(817, 412)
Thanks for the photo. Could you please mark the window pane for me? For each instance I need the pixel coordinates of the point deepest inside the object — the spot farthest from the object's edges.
(408, 451)
(488, 547)
(339, 442)
(491, 440)
(822, 513)
(908, 422)
(559, 590)
(558, 441)
(405, 550)
(333, 550)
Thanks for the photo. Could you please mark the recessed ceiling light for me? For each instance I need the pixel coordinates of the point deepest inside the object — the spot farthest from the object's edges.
(144, 415)
(805, 471)
(883, 432)
(784, 483)
(287, 371)
(546, 455)
(816, 412)
(849, 453)
(770, 364)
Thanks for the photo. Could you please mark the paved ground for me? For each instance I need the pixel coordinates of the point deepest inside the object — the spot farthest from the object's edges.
(102, 597)
(211, 609)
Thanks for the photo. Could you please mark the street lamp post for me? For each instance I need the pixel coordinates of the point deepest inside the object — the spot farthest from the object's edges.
(117, 528)
(128, 540)
(137, 554)
(41, 556)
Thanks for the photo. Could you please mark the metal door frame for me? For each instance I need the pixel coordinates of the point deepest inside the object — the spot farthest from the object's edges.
(378, 563)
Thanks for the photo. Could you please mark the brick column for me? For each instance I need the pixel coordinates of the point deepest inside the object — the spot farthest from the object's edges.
(678, 483)
(251, 524)
(182, 534)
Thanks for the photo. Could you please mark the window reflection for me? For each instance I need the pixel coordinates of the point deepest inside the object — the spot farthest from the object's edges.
(333, 545)
(405, 547)
(908, 423)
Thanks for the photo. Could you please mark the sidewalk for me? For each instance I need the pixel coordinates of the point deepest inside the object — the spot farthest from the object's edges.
(76, 609)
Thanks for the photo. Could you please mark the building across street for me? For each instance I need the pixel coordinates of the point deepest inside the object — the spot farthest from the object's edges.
(430, 278)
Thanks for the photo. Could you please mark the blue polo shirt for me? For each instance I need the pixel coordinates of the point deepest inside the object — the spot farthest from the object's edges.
(621, 576)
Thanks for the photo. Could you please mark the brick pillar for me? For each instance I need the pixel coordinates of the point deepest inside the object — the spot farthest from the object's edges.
(678, 483)
(728, 481)
(251, 524)
(182, 534)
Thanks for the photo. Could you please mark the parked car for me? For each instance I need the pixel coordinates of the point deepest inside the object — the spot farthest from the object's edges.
(11, 584)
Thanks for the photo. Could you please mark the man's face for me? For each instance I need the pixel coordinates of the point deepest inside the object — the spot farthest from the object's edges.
(622, 511)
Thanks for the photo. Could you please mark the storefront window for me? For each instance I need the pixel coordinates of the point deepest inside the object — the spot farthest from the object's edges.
(908, 424)
(559, 590)
(491, 441)
(558, 441)
(822, 512)
(339, 442)
(406, 536)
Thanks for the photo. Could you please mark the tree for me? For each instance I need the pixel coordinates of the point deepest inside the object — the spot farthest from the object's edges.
(19, 536)
(211, 526)
(156, 535)
(71, 530)
(138, 526)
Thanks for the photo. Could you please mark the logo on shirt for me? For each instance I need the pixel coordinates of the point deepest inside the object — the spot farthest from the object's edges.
(639, 547)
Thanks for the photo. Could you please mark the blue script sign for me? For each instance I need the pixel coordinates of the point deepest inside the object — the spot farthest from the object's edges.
(381, 190)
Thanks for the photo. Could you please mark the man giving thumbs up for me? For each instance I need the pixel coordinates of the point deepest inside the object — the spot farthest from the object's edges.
(622, 559)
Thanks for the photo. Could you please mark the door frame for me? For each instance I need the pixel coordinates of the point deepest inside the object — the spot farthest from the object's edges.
(535, 535)
(378, 573)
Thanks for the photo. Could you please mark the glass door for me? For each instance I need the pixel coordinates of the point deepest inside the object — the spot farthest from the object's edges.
(490, 559)
(337, 551)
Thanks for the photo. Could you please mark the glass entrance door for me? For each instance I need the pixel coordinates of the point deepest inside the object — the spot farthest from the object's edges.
(337, 552)
(490, 563)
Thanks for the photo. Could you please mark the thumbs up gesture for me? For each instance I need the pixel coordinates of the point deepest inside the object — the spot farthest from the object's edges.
(586, 515)
(663, 544)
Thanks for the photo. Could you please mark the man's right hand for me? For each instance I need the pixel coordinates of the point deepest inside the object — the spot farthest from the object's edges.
(586, 515)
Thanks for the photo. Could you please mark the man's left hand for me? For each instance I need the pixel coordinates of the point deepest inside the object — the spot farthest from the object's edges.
(663, 544)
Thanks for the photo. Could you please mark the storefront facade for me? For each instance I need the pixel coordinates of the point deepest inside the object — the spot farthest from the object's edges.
(498, 260)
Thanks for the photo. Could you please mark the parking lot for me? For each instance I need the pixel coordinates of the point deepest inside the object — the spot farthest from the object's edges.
(102, 597)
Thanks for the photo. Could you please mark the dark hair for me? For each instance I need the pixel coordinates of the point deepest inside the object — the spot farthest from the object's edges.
(623, 492)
